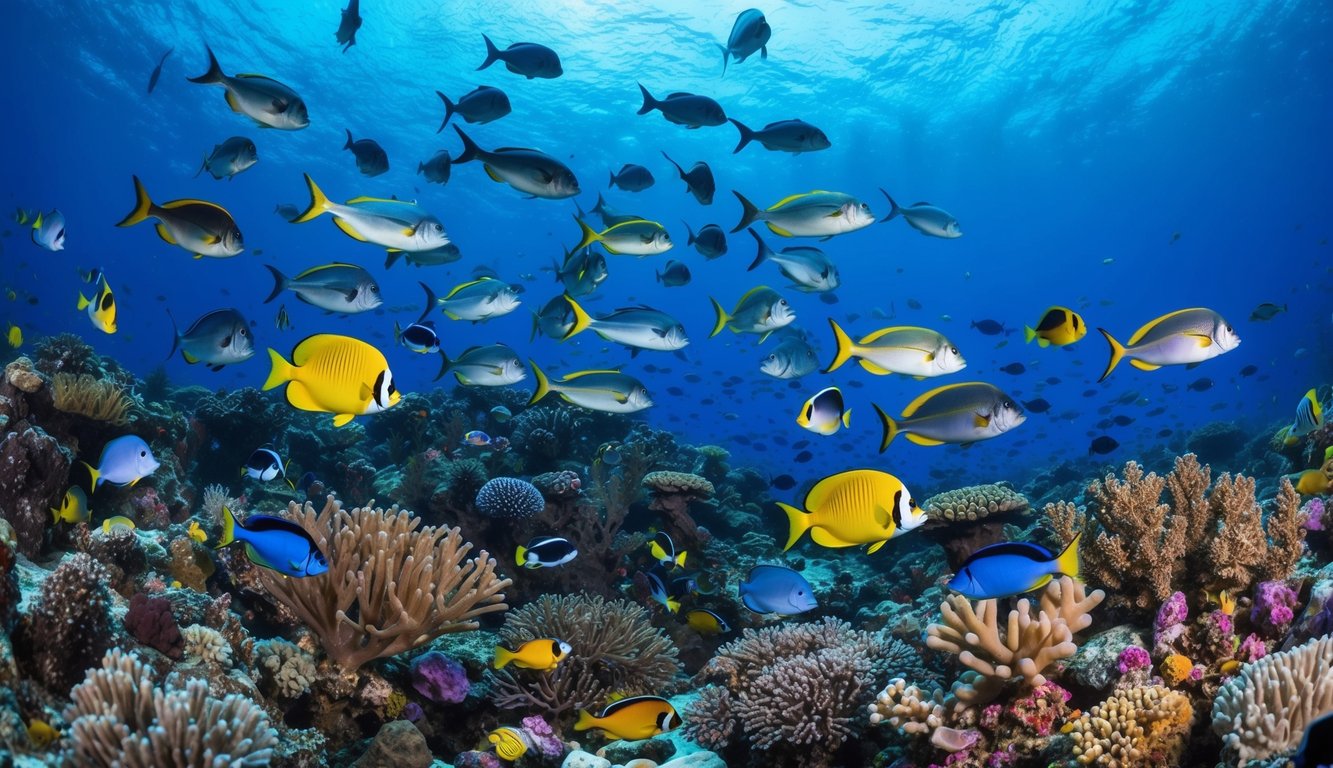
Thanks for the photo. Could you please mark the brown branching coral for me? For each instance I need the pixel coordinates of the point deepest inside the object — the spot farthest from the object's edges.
(391, 584)
(120, 717)
(1143, 726)
(1143, 549)
(616, 650)
(97, 399)
(1266, 708)
(1023, 649)
(795, 692)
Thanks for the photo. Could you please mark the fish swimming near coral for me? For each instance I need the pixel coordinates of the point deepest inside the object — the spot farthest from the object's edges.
(1309, 417)
(73, 508)
(117, 523)
(954, 413)
(657, 590)
(101, 308)
(761, 310)
(265, 465)
(545, 552)
(706, 622)
(854, 508)
(494, 365)
(607, 391)
(344, 288)
(510, 743)
(125, 461)
(1183, 337)
(543, 654)
(274, 543)
(1013, 568)
(218, 338)
(335, 374)
(663, 550)
(632, 719)
(777, 589)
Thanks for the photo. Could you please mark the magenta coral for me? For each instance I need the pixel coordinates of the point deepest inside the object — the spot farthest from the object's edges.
(1316, 515)
(543, 736)
(1252, 648)
(1170, 622)
(1039, 709)
(1132, 658)
(1274, 604)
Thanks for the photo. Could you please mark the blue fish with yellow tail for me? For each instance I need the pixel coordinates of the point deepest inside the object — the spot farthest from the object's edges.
(275, 543)
(1013, 568)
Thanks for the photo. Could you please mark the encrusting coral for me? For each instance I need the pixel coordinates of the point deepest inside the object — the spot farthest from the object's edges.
(615, 650)
(120, 718)
(795, 692)
(1266, 707)
(391, 584)
(97, 399)
(1142, 550)
(1146, 725)
(975, 502)
(1028, 644)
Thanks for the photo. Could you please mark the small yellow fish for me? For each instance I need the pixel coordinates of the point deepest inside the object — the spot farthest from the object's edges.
(74, 509)
(197, 533)
(101, 308)
(15, 336)
(1060, 326)
(119, 522)
(706, 623)
(41, 734)
(1312, 482)
(543, 654)
(632, 719)
(510, 743)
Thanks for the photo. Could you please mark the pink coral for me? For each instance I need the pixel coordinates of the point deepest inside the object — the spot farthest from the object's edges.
(1252, 648)
(1274, 604)
(543, 736)
(1133, 657)
(1316, 515)
(1040, 708)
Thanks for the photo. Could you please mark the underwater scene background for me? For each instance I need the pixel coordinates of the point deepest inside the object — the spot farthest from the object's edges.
(279, 505)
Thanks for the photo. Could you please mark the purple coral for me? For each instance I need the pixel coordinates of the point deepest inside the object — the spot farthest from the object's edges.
(1170, 622)
(1132, 658)
(150, 621)
(1252, 648)
(1315, 515)
(509, 498)
(543, 736)
(439, 678)
(1274, 607)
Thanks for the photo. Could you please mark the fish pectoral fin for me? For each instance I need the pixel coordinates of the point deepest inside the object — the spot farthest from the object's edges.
(919, 440)
(1142, 366)
(366, 392)
(835, 214)
(212, 239)
(165, 234)
(1203, 341)
(876, 546)
(882, 517)
(878, 370)
(409, 231)
(980, 421)
(348, 229)
(189, 358)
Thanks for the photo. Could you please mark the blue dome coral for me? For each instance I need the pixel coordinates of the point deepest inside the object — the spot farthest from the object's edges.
(509, 498)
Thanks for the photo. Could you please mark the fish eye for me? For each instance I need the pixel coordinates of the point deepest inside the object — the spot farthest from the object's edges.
(142, 454)
(953, 350)
(439, 227)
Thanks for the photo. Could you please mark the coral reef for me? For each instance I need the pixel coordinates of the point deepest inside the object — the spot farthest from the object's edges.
(672, 493)
(96, 399)
(150, 621)
(1141, 549)
(1265, 709)
(616, 650)
(36, 470)
(1145, 725)
(391, 584)
(69, 628)
(509, 498)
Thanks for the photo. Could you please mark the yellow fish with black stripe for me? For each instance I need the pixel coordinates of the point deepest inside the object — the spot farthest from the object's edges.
(335, 374)
(1309, 417)
(198, 226)
(101, 308)
(859, 506)
(632, 719)
(510, 743)
(542, 654)
(74, 507)
(1060, 326)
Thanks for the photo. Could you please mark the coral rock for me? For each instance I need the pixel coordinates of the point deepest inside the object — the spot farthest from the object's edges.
(508, 498)
(439, 678)
(975, 502)
(1139, 726)
(580, 759)
(150, 621)
(34, 471)
(397, 745)
(68, 628)
(21, 375)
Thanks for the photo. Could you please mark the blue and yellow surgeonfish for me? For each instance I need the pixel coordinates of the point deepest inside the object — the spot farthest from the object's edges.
(275, 543)
(1013, 568)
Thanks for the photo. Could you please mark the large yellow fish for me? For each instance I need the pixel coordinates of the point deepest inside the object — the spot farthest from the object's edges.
(1313, 482)
(632, 719)
(860, 506)
(543, 654)
(335, 374)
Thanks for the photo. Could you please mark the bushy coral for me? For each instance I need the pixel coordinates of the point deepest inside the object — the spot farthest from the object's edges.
(69, 627)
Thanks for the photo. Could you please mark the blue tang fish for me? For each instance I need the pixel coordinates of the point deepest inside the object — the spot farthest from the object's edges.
(1013, 568)
(777, 589)
(275, 543)
(125, 461)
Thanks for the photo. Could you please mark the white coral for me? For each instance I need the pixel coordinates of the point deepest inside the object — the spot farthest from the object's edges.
(1266, 708)
(207, 645)
(286, 669)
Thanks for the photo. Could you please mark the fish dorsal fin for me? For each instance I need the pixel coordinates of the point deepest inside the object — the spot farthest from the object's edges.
(881, 333)
(460, 287)
(192, 201)
(916, 404)
(616, 706)
(750, 293)
(1034, 552)
(1146, 329)
(581, 374)
(348, 229)
(322, 267)
(923, 202)
(517, 149)
(369, 199)
(253, 75)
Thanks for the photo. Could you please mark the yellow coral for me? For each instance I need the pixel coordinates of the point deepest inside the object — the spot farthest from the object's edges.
(1145, 726)
(395, 704)
(97, 399)
(1176, 669)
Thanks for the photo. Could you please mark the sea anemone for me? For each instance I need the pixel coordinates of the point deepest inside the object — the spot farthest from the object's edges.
(509, 498)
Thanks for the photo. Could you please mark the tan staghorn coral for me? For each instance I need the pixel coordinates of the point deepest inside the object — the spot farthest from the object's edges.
(908, 708)
(392, 584)
(1028, 643)
(1142, 549)
(1266, 708)
(615, 650)
(975, 502)
(120, 717)
(97, 399)
(1144, 726)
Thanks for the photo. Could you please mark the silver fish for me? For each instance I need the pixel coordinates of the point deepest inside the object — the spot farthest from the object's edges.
(494, 365)
(555, 319)
(1183, 337)
(582, 272)
(343, 288)
(606, 391)
(198, 226)
(262, 99)
(924, 218)
(954, 413)
(635, 327)
(527, 170)
(795, 136)
(749, 33)
(792, 358)
(229, 158)
(393, 224)
(48, 229)
(477, 300)
(218, 338)
(761, 310)
(809, 214)
(807, 267)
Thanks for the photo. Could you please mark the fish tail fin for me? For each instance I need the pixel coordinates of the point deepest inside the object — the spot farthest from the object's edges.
(649, 103)
(845, 347)
(600, 208)
(319, 203)
(281, 371)
(673, 605)
(726, 56)
(202, 166)
(445, 362)
(492, 53)
(585, 721)
(1117, 353)
(847, 418)
(228, 528)
(764, 251)
(689, 233)
(747, 135)
(798, 522)
(280, 283)
(1068, 562)
(543, 387)
(397, 333)
(143, 206)
(431, 301)
(659, 275)
(748, 212)
(502, 657)
(175, 335)
(1028, 334)
(214, 73)
(680, 559)
(448, 110)
(894, 210)
(348, 144)
(590, 236)
(722, 318)
(581, 318)
(520, 555)
(536, 327)
(392, 258)
(94, 477)
(470, 149)
(890, 428)
(612, 183)
(1316, 410)
(83, 301)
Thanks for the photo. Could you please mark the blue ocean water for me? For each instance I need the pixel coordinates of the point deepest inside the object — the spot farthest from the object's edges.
(1125, 159)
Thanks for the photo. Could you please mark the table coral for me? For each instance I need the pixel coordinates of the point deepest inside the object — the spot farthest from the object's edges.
(671, 495)
(1142, 549)
(1264, 710)
(1029, 643)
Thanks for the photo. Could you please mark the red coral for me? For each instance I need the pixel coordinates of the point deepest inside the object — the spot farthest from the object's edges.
(150, 621)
